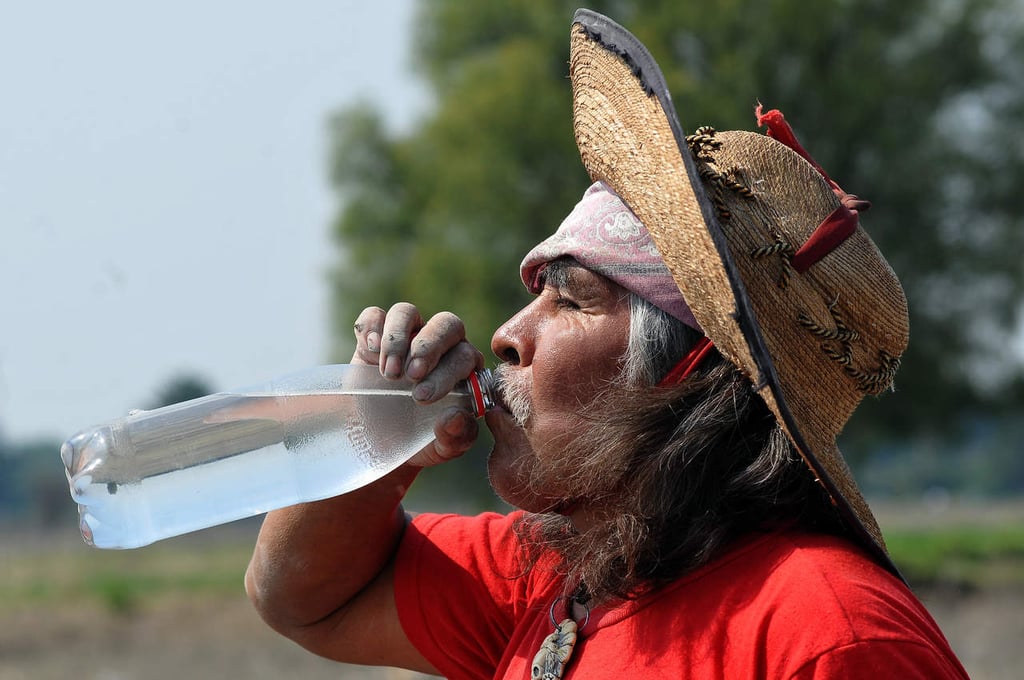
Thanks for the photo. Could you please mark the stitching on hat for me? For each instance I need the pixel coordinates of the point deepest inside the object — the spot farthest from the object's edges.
(880, 380)
(841, 332)
(839, 337)
(785, 251)
(871, 382)
(702, 144)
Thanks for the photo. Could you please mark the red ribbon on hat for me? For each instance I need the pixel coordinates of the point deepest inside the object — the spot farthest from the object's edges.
(688, 364)
(827, 236)
(835, 228)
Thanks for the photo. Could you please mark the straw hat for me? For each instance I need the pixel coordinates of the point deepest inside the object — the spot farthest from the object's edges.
(815, 323)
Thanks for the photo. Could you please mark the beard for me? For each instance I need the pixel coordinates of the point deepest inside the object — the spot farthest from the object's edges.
(554, 474)
(512, 462)
(514, 394)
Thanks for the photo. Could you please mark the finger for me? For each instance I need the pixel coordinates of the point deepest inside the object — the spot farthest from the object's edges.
(456, 364)
(454, 432)
(368, 328)
(439, 335)
(402, 322)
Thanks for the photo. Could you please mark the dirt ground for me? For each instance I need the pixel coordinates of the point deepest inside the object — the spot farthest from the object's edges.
(62, 632)
(222, 638)
(985, 629)
(170, 642)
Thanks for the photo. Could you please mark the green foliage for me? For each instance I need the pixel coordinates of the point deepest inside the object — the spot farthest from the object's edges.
(33, 487)
(43, 573)
(444, 215)
(123, 590)
(181, 388)
(984, 458)
(911, 104)
(964, 557)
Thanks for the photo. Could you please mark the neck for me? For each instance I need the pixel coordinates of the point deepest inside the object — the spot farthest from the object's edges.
(582, 520)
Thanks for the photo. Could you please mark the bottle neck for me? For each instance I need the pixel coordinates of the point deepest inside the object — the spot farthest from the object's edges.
(481, 387)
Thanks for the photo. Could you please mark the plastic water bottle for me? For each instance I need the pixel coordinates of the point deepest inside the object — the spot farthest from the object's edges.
(307, 436)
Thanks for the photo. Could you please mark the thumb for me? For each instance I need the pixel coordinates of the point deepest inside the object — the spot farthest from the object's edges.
(455, 431)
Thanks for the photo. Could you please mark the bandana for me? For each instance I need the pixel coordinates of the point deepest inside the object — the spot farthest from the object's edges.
(603, 235)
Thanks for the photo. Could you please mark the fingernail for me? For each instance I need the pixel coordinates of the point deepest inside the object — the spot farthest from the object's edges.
(423, 391)
(456, 425)
(373, 341)
(417, 369)
(393, 367)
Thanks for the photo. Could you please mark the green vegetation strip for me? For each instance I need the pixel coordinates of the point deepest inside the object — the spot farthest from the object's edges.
(122, 580)
(961, 556)
(965, 556)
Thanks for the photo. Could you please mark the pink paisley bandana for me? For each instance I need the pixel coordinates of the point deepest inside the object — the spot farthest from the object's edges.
(604, 236)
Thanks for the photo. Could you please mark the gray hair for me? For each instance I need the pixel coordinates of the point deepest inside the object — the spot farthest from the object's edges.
(674, 474)
(656, 342)
(657, 339)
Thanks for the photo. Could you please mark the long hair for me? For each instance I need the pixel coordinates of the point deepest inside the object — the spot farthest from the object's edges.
(671, 475)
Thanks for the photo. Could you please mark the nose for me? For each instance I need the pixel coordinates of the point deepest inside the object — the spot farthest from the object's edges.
(512, 342)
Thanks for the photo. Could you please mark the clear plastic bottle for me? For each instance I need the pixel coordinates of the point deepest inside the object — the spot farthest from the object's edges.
(307, 436)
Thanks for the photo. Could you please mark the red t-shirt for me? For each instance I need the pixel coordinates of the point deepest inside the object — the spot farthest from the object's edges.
(778, 605)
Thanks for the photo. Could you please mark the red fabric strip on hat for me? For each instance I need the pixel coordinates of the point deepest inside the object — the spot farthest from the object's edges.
(780, 130)
(835, 228)
(688, 364)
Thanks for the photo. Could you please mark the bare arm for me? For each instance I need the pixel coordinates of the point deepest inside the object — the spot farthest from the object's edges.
(321, 572)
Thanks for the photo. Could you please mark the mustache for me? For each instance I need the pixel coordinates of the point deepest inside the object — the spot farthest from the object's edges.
(514, 393)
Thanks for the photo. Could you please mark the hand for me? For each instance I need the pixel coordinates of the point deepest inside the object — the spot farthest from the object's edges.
(435, 355)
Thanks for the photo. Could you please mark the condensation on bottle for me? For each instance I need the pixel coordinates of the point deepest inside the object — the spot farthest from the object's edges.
(304, 437)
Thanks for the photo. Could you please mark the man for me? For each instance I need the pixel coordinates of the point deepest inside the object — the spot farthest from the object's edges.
(705, 321)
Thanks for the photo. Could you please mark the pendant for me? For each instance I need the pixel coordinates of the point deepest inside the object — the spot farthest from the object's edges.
(554, 652)
(551, 659)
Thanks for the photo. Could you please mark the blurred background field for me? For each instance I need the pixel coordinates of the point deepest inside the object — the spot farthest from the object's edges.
(169, 611)
(177, 608)
(179, 221)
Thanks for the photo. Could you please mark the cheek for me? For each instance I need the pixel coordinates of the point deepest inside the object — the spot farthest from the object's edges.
(512, 465)
(581, 366)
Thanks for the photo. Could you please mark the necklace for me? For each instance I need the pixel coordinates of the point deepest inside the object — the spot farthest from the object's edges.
(553, 656)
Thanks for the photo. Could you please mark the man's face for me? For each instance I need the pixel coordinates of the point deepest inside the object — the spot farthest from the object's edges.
(560, 351)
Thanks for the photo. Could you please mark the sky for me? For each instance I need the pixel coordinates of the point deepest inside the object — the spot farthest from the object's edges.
(164, 206)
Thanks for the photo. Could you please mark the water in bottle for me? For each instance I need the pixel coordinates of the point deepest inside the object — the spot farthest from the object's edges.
(312, 435)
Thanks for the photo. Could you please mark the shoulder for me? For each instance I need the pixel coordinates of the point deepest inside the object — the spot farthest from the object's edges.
(833, 578)
(488, 538)
(487, 549)
(823, 599)
(796, 575)
(779, 605)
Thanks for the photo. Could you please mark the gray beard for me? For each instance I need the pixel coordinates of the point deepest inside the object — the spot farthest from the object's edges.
(514, 393)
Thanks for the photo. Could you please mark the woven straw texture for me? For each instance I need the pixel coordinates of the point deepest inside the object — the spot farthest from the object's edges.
(833, 333)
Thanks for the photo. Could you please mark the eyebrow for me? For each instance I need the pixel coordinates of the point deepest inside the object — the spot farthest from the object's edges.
(567, 274)
(558, 272)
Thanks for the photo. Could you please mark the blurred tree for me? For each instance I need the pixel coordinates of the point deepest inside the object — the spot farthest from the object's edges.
(46, 487)
(181, 388)
(33, 487)
(914, 105)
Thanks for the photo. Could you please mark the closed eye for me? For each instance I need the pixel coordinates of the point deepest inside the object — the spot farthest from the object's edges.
(565, 303)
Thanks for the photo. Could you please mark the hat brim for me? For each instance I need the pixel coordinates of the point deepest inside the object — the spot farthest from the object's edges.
(630, 137)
